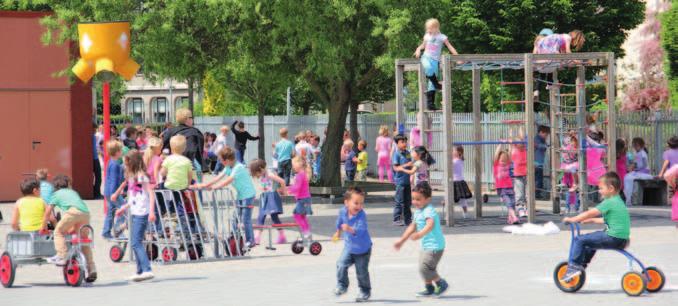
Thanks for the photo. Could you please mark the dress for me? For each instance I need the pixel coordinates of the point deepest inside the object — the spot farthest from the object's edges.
(271, 202)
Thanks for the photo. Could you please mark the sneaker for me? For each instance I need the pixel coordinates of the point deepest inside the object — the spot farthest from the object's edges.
(281, 239)
(339, 291)
(398, 223)
(91, 277)
(428, 292)
(57, 260)
(442, 287)
(142, 277)
(572, 272)
(362, 297)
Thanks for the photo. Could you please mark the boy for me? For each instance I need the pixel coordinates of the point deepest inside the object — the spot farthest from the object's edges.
(426, 227)
(402, 160)
(29, 210)
(317, 157)
(615, 216)
(284, 149)
(240, 177)
(519, 159)
(540, 148)
(130, 141)
(352, 221)
(114, 178)
(221, 142)
(362, 160)
(74, 215)
(46, 188)
(351, 160)
(178, 172)
(241, 138)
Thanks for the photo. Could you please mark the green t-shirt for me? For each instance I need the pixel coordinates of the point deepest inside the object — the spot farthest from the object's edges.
(616, 216)
(178, 167)
(67, 198)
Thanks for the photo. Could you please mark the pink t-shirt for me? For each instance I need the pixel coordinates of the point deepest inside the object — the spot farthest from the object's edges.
(594, 165)
(384, 145)
(155, 161)
(300, 188)
(621, 168)
(519, 158)
(502, 177)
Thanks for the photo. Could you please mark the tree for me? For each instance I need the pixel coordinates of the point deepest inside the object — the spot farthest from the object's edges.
(214, 102)
(669, 36)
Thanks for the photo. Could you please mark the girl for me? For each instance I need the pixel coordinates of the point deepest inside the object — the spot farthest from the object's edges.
(140, 195)
(502, 182)
(671, 177)
(622, 161)
(640, 158)
(300, 190)
(270, 201)
(461, 190)
(670, 156)
(571, 160)
(542, 34)
(432, 45)
(561, 43)
(383, 148)
(153, 160)
(422, 160)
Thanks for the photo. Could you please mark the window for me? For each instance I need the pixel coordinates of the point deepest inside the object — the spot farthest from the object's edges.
(135, 109)
(159, 109)
(180, 102)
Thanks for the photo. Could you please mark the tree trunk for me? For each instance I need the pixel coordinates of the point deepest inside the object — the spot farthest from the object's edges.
(331, 149)
(353, 124)
(260, 121)
(190, 95)
(305, 109)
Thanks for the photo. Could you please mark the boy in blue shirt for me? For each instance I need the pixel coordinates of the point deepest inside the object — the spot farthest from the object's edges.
(540, 148)
(350, 162)
(352, 221)
(114, 178)
(402, 160)
(426, 227)
(283, 152)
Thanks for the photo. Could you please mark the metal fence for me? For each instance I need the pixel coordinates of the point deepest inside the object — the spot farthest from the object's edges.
(654, 127)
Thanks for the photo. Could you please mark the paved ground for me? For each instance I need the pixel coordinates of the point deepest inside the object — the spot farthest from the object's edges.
(483, 265)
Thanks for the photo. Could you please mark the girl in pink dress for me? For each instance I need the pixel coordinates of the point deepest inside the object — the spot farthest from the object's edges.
(383, 148)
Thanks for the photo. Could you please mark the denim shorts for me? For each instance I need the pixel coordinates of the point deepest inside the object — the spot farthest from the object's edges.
(303, 207)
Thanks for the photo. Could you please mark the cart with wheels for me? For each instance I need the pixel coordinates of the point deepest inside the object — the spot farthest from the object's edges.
(633, 282)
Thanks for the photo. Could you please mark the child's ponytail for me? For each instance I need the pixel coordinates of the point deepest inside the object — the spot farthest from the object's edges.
(425, 155)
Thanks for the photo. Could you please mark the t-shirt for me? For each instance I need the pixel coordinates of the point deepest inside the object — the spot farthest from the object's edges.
(642, 165)
(384, 145)
(178, 167)
(422, 172)
(349, 165)
(434, 45)
(502, 175)
(401, 158)
(283, 150)
(114, 177)
(616, 216)
(362, 163)
(66, 199)
(434, 240)
(155, 160)
(458, 169)
(137, 197)
(360, 241)
(553, 44)
(46, 190)
(519, 158)
(672, 156)
(31, 213)
(242, 182)
(305, 149)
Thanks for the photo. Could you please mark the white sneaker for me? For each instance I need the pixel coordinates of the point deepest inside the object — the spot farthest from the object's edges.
(56, 260)
(142, 277)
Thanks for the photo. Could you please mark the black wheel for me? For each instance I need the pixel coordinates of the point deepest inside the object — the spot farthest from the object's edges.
(195, 251)
(152, 251)
(7, 270)
(116, 253)
(169, 254)
(298, 247)
(633, 283)
(571, 286)
(486, 198)
(73, 273)
(315, 248)
(656, 279)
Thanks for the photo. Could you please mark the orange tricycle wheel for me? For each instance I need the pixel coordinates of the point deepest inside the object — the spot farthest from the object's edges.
(633, 283)
(656, 279)
(571, 286)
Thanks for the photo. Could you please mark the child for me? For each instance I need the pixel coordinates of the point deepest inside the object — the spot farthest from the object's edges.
(74, 214)
(352, 222)
(594, 165)
(130, 141)
(670, 156)
(402, 161)
(640, 155)
(622, 161)
(615, 216)
(284, 150)
(629, 179)
(461, 191)
(542, 34)
(671, 177)
(237, 174)
(29, 210)
(540, 148)
(383, 148)
(46, 188)
(300, 190)
(426, 227)
(432, 45)
(519, 159)
(502, 182)
(114, 178)
(303, 148)
(350, 162)
(270, 201)
(153, 159)
(317, 157)
(140, 195)
(561, 43)
(362, 161)
(421, 161)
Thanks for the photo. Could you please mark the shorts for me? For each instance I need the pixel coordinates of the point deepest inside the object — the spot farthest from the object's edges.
(428, 264)
(303, 207)
(508, 197)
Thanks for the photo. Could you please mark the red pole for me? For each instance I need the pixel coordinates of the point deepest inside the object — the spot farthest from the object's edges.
(107, 126)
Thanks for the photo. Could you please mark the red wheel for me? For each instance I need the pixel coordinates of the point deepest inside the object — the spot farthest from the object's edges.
(73, 274)
(656, 280)
(116, 253)
(315, 248)
(298, 247)
(169, 254)
(7, 270)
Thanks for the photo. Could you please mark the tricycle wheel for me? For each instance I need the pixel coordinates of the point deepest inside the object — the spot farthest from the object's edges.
(633, 283)
(169, 254)
(152, 251)
(298, 247)
(315, 248)
(656, 279)
(486, 198)
(570, 286)
(73, 273)
(7, 270)
(116, 253)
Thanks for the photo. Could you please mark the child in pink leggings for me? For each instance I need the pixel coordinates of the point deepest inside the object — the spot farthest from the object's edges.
(671, 177)
(383, 148)
(300, 190)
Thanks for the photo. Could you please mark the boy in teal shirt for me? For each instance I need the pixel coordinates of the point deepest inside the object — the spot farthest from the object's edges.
(426, 226)
(615, 216)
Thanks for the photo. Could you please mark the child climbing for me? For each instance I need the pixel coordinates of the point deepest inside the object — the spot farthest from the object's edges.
(432, 45)
(502, 182)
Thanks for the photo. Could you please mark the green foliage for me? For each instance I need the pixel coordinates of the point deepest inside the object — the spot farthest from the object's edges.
(118, 89)
(214, 102)
(669, 36)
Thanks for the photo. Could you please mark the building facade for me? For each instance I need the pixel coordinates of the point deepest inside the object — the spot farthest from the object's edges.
(146, 102)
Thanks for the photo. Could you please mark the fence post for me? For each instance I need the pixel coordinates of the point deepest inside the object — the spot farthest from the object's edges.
(657, 142)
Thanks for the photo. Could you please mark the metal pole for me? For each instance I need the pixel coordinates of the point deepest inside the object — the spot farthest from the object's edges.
(554, 107)
(106, 92)
(478, 150)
